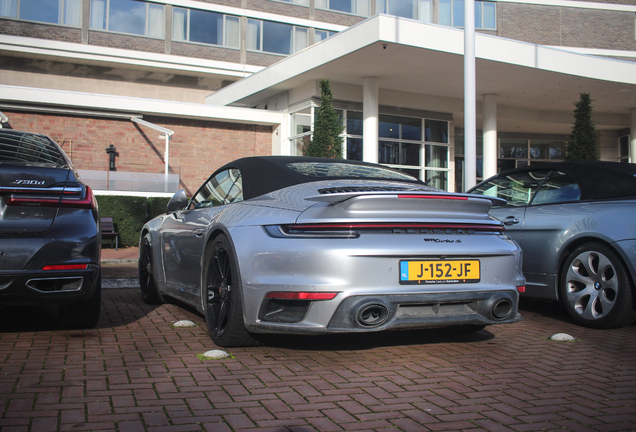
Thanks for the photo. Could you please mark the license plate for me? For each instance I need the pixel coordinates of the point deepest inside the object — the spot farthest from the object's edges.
(439, 271)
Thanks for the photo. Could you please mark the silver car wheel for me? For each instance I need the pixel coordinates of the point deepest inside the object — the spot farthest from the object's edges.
(595, 288)
(592, 285)
(223, 302)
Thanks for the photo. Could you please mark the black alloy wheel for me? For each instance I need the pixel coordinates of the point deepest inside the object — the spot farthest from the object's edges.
(223, 308)
(149, 291)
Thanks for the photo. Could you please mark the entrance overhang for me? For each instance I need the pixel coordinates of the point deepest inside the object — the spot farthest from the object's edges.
(420, 66)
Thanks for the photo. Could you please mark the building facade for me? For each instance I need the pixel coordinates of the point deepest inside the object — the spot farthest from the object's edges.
(211, 81)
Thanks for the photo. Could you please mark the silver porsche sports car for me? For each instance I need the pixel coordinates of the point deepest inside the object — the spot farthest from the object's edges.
(310, 246)
(575, 223)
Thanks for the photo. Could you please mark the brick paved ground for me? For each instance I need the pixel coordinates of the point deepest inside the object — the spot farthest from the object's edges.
(134, 372)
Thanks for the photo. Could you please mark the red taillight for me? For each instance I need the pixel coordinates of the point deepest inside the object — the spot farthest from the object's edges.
(521, 289)
(444, 197)
(71, 197)
(66, 267)
(286, 295)
(88, 201)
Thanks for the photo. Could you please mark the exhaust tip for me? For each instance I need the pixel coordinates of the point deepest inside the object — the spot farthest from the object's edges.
(372, 315)
(501, 309)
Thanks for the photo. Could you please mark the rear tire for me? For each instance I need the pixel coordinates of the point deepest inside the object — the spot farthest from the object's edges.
(223, 297)
(84, 313)
(149, 291)
(595, 288)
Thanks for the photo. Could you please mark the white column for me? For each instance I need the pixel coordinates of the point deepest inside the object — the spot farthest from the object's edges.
(470, 98)
(490, 135)
(370, 116)
(632, 137)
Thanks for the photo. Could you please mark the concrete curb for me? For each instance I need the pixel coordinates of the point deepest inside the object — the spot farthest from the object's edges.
(119, 261)
(120, 283)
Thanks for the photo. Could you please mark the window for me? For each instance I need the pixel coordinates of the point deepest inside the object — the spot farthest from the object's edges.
(355, 7)
(298, 2)
(459, 160)
(206, 27)
(558, 188)
(68, 12)
(273, 37)
(301, 131)
(516, 189)
(623, 149)
(128, 16)
(451, 13)
(514, 153)
(320, 35)
(414, 9)
(224, 188)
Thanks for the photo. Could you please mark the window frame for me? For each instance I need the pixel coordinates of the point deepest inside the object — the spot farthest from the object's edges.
(147, 31)
(327, 6)
(224, 30)
(294, 45)
(479, 6)
(61, 14)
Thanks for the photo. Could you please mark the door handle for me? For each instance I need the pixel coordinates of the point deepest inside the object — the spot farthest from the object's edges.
(198, 233)
(511, 220)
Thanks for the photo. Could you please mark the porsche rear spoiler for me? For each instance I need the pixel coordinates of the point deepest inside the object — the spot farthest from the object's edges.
(338, 197)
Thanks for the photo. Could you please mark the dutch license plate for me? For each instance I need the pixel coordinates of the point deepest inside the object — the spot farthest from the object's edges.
(440, 271)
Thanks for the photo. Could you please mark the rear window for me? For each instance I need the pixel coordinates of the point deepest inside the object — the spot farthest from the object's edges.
(29, 149)
(346, 170)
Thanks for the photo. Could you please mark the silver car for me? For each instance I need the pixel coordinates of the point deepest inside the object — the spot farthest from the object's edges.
(575, 222)
(311, 246)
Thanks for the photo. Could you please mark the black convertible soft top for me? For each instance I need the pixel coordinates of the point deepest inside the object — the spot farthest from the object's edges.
(596, 179)
(265, 174)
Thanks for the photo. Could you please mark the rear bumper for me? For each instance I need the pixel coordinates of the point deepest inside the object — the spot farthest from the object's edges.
(366, 313)
(48, 287)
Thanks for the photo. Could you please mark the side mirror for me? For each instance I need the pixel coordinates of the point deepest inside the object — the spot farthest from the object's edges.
(178, 201)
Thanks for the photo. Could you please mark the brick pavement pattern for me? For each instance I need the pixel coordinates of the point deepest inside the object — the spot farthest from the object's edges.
(135, 372)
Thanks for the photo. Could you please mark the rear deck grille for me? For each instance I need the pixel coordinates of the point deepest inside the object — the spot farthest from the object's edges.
(356, 189)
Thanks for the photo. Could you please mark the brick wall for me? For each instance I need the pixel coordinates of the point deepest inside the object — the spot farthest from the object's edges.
(337, 18)
(209, 52)
(262, 59)
(40, 31)
(549, 25)
(196, 150)
(279, 8)
(233, 3)
(137, 43)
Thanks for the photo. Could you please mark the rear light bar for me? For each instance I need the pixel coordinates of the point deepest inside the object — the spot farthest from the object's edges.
(290, 295)
(71, 197)
(353, 230)
(66, 267)
(395, 226)
(438, 197)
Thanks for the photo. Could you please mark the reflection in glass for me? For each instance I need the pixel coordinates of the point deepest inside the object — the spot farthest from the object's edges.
(438, 179)
(513, 148)
(436, 156)
(436, 131)
(354, 149)
(354, 123)
(277, 37)
(127, 16)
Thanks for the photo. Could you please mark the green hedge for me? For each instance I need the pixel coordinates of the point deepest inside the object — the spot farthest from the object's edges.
(130, 214)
